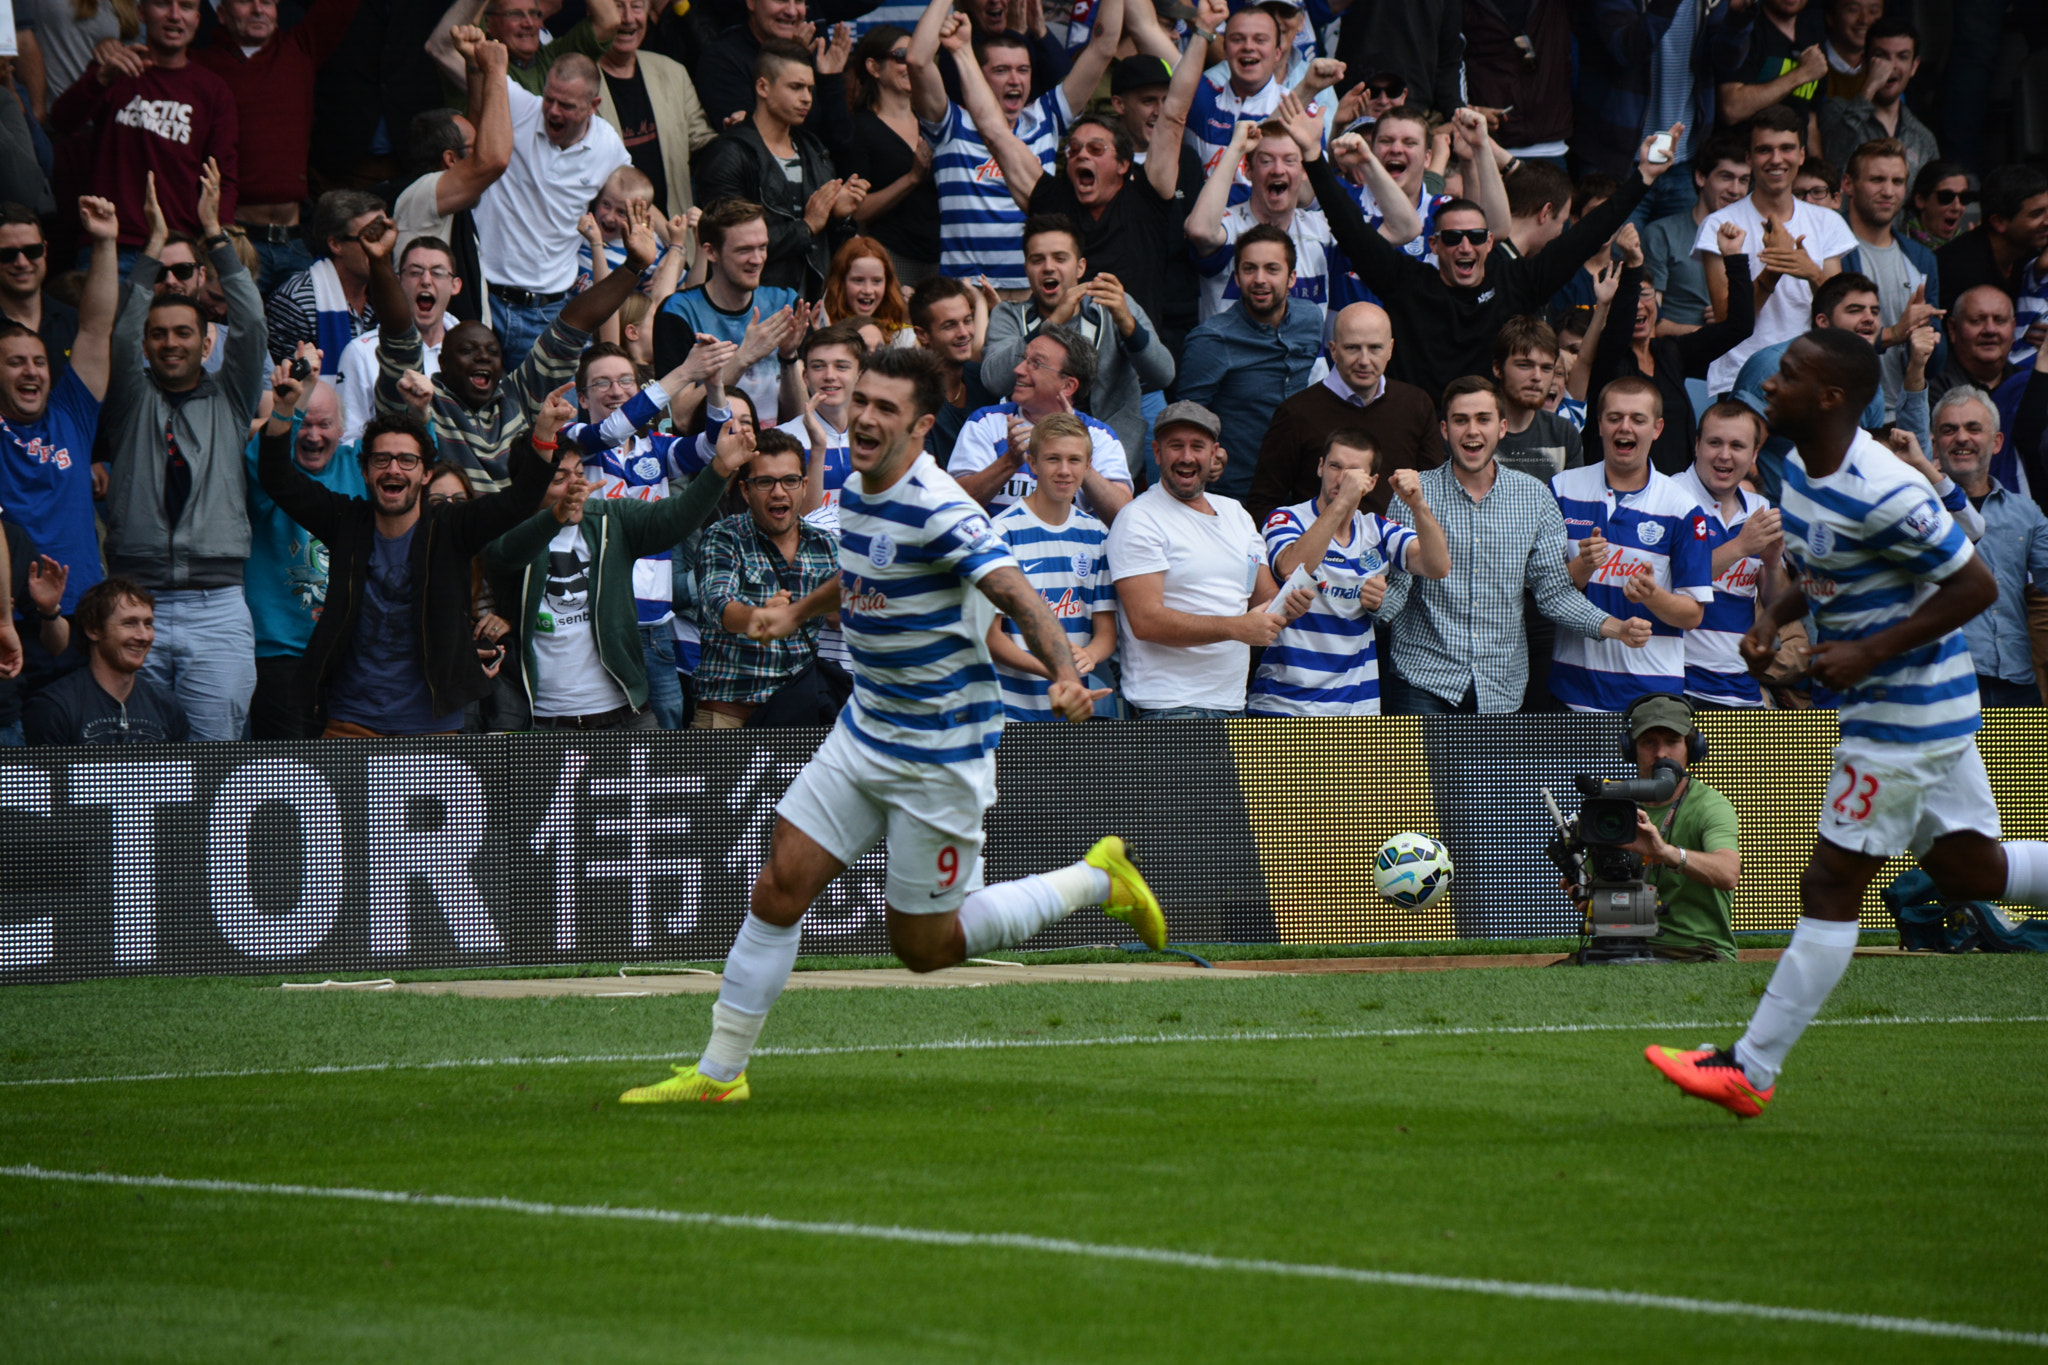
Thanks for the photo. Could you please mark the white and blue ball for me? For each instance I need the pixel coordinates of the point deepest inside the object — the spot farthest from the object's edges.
(1413, 871)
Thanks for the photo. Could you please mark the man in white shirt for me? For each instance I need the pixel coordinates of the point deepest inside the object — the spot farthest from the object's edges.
(427, 271)
(454, 159)
(1055, 373)
(562, 153)
(1191, 581)
(1804, 246)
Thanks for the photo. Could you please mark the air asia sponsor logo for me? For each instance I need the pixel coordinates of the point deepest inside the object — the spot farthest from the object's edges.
(1066, 607)
(865, 597)
(1818, 587)
(988, 173)
(168, 119)
(1619, 569)
(1741, 577)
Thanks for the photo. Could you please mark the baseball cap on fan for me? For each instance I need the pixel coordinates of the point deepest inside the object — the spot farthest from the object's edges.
(1141, 72)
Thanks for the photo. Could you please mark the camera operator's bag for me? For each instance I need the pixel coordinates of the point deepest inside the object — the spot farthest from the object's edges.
(1930, 925)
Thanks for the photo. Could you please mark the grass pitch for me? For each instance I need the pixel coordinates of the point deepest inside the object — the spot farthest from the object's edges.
(1488, 1134)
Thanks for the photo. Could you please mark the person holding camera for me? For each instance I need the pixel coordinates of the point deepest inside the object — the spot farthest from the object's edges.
(1689, 845)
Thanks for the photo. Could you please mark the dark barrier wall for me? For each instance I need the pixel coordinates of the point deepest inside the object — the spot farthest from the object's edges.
(394, 855)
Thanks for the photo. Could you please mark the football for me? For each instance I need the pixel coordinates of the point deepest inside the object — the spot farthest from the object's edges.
(1413, 871)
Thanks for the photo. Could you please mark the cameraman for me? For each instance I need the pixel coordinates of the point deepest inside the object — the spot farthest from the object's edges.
(1690, 846)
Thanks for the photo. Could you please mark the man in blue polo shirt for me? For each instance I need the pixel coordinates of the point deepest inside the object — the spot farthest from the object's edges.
(1639, 548)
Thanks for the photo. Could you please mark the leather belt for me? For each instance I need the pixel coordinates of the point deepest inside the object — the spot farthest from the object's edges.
(525, 298)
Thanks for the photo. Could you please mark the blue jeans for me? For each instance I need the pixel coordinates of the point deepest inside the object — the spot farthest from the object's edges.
(664, 691)
(1399, 697)
(519, 325)
(1184, 713)
(205, 653)
(11, 736)
(1998, 692)
(279, 263)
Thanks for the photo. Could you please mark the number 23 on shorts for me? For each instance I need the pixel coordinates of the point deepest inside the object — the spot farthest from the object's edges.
(1858, 791)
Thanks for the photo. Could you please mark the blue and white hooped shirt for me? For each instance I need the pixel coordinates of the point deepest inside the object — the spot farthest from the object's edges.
(1069, 565)
(1714, 670)
(1325, 663)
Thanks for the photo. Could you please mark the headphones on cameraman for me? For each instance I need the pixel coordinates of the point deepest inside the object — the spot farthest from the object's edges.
(1695, 742)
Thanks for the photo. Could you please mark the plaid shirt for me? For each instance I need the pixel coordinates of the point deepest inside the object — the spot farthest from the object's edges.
(1465, 631)
(480, 439)
(736, 564)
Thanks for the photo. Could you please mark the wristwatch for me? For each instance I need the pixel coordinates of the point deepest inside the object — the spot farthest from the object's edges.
(1683, 854)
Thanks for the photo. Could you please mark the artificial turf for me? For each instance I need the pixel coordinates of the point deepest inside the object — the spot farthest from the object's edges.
(1898, 1174)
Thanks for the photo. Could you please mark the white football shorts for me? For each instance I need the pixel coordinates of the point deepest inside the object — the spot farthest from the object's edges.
(849, 797)
(1884, 799)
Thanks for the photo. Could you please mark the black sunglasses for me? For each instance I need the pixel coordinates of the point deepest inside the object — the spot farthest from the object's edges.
(1941, 197)
(34, 251)
(1385, 89)
(183, 270)
(1466, 236)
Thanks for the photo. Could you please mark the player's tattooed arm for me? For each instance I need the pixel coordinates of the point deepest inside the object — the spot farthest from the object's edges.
(1013, 594)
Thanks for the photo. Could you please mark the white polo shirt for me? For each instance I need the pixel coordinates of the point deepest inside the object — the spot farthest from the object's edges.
(526, 222)
(1211, 565)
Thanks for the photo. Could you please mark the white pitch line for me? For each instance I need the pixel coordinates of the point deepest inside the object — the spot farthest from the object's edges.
(1060, 1246)
(990, 1045)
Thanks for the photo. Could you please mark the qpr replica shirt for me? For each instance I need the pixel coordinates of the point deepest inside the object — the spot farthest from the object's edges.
(1069, 567)
(1714, 670)
(1657, 530)
(1324, 663)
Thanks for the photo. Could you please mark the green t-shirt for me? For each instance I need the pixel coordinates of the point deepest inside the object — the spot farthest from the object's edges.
(1696, 915)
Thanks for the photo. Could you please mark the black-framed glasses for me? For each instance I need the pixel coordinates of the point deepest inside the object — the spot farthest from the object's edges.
(385, 459)
(33, 251)
(1941, 197)
(182, 271)
(768, 483)
(1463, 236)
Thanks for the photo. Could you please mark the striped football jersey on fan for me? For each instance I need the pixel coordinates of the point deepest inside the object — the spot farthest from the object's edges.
(1069, 566)
(924, 690)
(1657, 530)
(1870, 542)
(1714, 670)
(985, 439)
(1324, 663)
(981, 229)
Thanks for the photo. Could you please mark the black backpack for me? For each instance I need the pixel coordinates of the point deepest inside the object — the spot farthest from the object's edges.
(1929, 924)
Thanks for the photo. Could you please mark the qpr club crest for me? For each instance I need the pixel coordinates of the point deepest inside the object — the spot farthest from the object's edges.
(1083, 565)
(882, 551)
(1820, 539)
(1649, 533)
(647, 469)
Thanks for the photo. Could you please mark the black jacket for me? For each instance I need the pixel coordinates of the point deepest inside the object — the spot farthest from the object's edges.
(739, 165)
(1676, 358)
(446, 541)
(1441, 332)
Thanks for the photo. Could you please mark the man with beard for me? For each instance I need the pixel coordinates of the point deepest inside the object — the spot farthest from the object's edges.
(1192, 586)
(1130, 358)
(272, 74)
(177, 501)
(110, 700)
(477, 408)
(392, 652)
(48, 419)
(428, 274)
(767, 556)
(1250, 357)
(285, 581)
(1879, 112)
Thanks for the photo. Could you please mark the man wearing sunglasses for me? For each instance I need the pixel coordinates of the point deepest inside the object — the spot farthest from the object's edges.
(2013, 232)
(24, 265)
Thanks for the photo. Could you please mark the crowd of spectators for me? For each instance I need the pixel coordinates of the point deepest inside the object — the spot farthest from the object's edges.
(375, 370)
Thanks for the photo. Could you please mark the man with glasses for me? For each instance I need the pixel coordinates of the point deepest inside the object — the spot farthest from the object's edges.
(1054, 375)
(1447, 315)
(766, 556)
(395, 653)
(427, 273)
(328, 303)
(24, 266)
(2012, 233)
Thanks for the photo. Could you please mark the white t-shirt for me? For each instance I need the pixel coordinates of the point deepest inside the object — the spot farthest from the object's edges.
(569, 677)
(1789, 311)
(526, 222)
(358, 383)
(1211, 563)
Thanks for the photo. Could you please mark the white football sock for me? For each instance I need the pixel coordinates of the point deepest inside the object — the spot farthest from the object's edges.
(1004, 915)
(1806, 974)
(2026, 872)
(756, 970)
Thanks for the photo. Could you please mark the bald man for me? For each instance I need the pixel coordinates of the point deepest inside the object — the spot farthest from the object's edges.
(285, 581)
(1356, 394)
